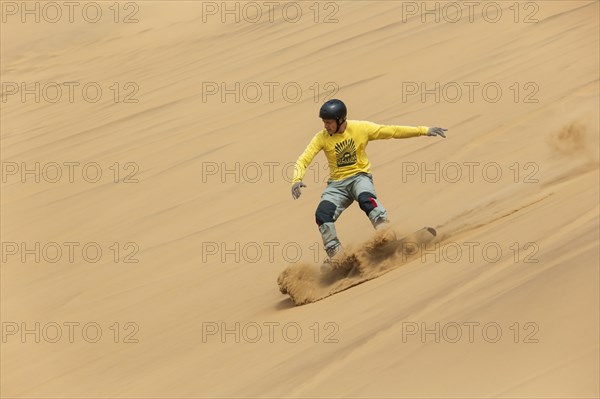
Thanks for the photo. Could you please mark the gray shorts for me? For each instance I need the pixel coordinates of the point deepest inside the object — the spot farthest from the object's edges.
(339, 195)
(343, 192)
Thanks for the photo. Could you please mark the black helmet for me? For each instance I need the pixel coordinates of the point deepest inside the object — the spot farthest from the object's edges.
(334, 109)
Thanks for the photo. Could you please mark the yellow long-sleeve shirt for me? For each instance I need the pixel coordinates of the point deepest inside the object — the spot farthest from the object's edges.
(345, 152)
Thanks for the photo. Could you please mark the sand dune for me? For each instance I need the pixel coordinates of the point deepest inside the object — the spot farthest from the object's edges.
(146, 211)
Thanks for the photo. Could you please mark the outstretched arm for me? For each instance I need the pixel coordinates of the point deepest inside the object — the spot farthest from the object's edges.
(303, 162)
(382, 132)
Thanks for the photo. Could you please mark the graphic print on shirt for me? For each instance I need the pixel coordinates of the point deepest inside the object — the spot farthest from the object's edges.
(345, 153)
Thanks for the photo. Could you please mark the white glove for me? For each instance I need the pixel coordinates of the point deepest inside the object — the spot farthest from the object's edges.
(296, 189)
(437, 131)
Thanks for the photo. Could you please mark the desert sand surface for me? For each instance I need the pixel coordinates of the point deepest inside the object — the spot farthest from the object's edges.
(147, 150)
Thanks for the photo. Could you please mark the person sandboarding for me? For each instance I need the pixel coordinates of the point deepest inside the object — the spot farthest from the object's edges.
(344, 143)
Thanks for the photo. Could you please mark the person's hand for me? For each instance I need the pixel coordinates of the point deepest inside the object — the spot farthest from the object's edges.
(437, 131)
(296, 189)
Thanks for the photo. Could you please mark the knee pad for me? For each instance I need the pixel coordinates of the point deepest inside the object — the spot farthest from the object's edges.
(367, 202)
(325, 212)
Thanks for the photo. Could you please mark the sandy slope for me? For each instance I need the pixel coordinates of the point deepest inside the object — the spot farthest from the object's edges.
(179, 215)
